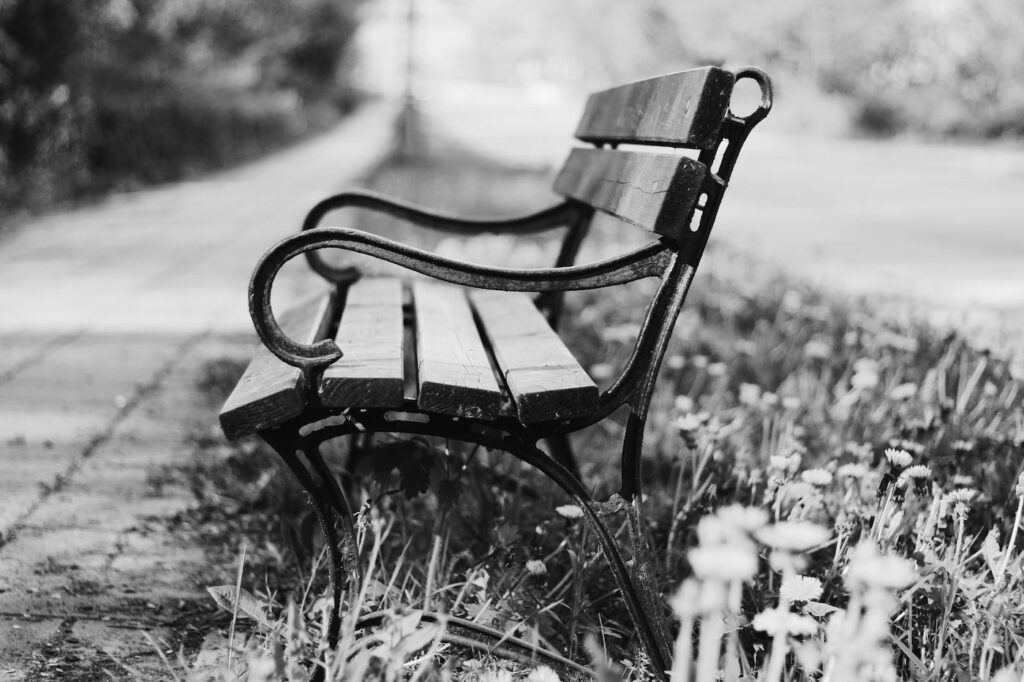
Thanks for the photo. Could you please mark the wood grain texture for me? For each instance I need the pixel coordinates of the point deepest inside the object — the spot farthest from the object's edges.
(657, 192)
(370, 334)
(271, 391)
(543, 377)
(455, 373)
(680, 109)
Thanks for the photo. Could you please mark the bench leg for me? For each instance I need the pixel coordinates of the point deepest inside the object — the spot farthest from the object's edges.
(641, 599)
(562, 452)
(331, 507)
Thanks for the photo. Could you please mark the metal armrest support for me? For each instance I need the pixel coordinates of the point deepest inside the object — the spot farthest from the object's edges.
(565, 213)
(647, 261)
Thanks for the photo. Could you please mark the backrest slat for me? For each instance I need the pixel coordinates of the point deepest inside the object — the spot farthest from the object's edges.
(683, 109)
(657, 192)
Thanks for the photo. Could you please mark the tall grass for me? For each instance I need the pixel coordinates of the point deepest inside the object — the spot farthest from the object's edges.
(832, 495)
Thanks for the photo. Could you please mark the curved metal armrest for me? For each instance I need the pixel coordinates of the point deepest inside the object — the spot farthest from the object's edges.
(558, 215)
(647, 261)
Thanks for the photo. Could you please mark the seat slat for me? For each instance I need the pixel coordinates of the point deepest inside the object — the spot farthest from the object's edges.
(680, 109)
(657, 192)
(271, 391)
(455, 373)
(543, 376)
(370, 373)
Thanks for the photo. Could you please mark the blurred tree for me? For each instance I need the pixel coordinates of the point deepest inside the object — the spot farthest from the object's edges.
(110, 93)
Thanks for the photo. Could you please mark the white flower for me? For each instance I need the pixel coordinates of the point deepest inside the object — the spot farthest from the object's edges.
(684, 404)
(748, 519)
(543, 674)
(675, 361)
(817, 349)
(852, 470)
(497, 676)
(903, 391)
(723, 562)
(717, 369)
(769, 399)
(779, 621)
(790, 403)
(800, 588)
(750, 394)
(899, 459)
(685, 601)
(962, 445)
(688, 423)
(869, 568)
(536, 567)
(569, 511)
(601, 371)
(818, 477)
(961, 496)
(913, 473)
(793, 536)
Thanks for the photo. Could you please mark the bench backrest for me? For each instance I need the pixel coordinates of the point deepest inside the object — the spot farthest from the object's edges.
(656, 191)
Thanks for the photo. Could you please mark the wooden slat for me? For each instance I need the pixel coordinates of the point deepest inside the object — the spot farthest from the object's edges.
(545, 380)
(370, 335)
(680, 109)
(657, 192)
(271, 391)
(455, 373)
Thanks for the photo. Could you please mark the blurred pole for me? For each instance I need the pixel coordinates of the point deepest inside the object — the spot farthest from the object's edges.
(409, 142)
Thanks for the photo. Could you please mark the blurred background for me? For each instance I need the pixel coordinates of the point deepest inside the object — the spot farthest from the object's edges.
(892, 160)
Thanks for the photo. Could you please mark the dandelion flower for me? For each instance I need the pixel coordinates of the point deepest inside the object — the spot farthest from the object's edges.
(852, 470)
(675, 362)
(780, 621)
(817, 349)
(686, 600)
(898, 459)
(870, 568)
(961, 496)
(497, 676)
(543, 674)
(800, 588)
(688, 423)
(723, 562)
(536, 567)
(569, 511)
(864, 380)
(747, 519)
(750, 394)
(962, 446)
(769, 399)
(915, 473)
(790, 403)
(818, 477)
(793, 536)
(717, 369)
(903, 392)
(684, 404)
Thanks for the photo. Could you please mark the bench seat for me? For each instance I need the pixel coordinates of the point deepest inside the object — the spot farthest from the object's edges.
(437, 347)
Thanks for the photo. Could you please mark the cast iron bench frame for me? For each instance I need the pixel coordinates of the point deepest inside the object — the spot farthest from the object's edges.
(685, 110)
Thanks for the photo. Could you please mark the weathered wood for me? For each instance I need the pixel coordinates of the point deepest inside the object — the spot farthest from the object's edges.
(455, 374)
(370, 334)
(681, 109)
(271, 391)
(657, 192)
(543, 377)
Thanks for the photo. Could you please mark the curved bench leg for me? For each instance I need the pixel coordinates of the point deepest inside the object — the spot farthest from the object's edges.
(638, 596)
(561, 450)
(331, 506)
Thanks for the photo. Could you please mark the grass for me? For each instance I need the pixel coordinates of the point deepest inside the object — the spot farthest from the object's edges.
(833, 495)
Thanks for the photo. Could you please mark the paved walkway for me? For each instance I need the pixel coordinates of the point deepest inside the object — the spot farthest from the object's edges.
(107, 316)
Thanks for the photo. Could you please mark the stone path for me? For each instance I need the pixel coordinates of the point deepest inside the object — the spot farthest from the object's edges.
(108, 315)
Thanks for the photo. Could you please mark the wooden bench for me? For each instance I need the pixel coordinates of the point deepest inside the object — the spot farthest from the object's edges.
(469, 353)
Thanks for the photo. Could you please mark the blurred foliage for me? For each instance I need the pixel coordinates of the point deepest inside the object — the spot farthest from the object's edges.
(943, 67)
(104, 95)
